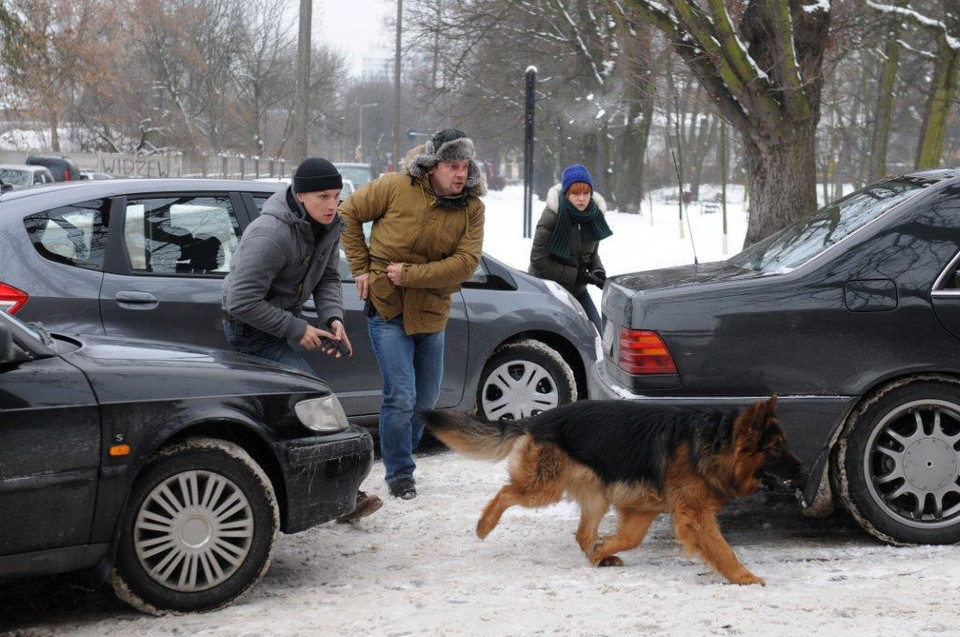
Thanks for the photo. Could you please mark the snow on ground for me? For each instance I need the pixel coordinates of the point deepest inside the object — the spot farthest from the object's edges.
(642, 240)
(20, 139)
(416, 568)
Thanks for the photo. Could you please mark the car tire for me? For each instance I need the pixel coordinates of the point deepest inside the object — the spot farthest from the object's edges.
(522, 379)
(898, 463)
(198, 531)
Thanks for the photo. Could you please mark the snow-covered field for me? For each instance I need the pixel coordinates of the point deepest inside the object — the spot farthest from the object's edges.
(416, 568)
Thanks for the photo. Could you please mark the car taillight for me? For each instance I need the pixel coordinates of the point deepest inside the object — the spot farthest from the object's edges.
(11, 299)
(644, 352)
(66, 174)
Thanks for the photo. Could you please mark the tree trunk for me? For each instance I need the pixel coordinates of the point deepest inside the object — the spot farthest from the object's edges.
(881, 121)
(942, 93)
(782, 181)
(54, 133)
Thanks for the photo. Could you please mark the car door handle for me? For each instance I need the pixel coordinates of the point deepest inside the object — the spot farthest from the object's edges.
(136, 300)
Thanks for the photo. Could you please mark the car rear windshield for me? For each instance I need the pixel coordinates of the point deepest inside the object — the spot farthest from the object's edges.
(16, 177)
(803, 240)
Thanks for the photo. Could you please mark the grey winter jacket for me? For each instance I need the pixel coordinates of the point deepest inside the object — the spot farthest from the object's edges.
(582, 253)
(277, 267)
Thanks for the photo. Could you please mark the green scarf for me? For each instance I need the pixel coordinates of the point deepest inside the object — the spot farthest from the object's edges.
(593, 227)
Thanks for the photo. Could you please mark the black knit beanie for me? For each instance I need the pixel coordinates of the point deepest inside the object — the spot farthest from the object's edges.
(316, 173)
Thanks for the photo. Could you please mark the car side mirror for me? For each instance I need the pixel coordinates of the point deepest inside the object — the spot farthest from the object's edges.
(9, 352)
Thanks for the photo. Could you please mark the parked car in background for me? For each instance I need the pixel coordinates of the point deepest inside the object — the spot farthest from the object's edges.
(347, 190)
(146, 259)
(171, 469)
(359, 174)
(23, 175)
(852, 316)
(94, 174)
(63, 168)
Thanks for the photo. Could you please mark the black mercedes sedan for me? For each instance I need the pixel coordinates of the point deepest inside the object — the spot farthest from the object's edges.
(168, 470)
(852, 316)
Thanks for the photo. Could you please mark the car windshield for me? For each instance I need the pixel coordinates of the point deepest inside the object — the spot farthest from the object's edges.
(803, 240)
(359, 175)
(16, 177)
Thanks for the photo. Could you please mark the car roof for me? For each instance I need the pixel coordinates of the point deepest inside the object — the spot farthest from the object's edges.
(351, 164)
(31, 167)
(72, 190)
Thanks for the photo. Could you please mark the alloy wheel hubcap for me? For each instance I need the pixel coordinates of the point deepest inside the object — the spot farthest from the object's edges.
(193, 531)
(518, 389)
(914, 465)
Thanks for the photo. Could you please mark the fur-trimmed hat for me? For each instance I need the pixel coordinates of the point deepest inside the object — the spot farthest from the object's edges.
(448, 144)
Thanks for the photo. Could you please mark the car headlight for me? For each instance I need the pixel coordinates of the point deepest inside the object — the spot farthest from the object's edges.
(567, 299)
(323, 415)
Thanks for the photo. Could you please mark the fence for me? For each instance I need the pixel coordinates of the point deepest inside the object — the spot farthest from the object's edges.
(222, 166)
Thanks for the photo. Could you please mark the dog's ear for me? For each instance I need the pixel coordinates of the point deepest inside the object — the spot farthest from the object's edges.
(751, 422)
(772, 404)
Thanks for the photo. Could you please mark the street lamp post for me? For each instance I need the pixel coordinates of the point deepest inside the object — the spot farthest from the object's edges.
(359, 153)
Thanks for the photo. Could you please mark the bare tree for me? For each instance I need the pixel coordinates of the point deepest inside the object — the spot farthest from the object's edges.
(47, 48)
(946, 70)
(762, 66)
(263, 73)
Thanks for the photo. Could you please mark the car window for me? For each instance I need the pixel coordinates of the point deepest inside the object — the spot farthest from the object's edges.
(359, 175)
(183, 235)
(15, 177)
(808, 237)
(73, 235)
(480, 275)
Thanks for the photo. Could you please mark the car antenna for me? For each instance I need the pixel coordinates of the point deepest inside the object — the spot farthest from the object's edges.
(686, 215)
(676, 168)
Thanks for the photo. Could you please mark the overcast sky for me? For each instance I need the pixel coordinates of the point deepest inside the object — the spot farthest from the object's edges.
(353, 26)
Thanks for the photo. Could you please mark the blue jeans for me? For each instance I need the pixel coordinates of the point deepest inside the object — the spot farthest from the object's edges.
(250, 340)
(412, 369)
(587, 304)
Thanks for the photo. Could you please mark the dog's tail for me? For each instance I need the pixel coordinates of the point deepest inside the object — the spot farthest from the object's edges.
(473, 437)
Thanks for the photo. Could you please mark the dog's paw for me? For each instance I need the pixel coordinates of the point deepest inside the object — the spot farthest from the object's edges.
(612, 560)
(483, 529)
(747, 578)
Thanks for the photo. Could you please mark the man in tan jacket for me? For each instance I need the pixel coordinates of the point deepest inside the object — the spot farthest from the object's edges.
(426, 240)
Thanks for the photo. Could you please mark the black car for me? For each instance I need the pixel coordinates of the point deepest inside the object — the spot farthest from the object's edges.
(169, 470)
(63, 168)
(852, 316)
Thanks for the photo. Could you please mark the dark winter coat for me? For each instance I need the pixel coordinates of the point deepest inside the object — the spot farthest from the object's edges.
(279, 265)
(582, 253)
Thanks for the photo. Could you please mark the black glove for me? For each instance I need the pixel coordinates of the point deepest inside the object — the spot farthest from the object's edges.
(597, 277)
(584, 276)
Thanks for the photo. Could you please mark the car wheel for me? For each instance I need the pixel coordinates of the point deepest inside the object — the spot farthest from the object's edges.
(198, 531)
(899, 464)
(522, 379)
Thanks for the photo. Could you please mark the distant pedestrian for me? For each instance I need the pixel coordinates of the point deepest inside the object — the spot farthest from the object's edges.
(288, 254)
(426, 240)
(567, 240)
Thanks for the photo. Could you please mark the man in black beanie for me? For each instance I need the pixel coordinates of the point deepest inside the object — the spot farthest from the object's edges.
(286, 255)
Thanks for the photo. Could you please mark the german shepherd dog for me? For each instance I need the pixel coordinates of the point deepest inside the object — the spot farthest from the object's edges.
(643, 460)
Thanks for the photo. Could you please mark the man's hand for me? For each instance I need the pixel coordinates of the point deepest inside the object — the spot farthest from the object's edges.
(395, 273)
(340, 334)
(363, 285)
(311, 337)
